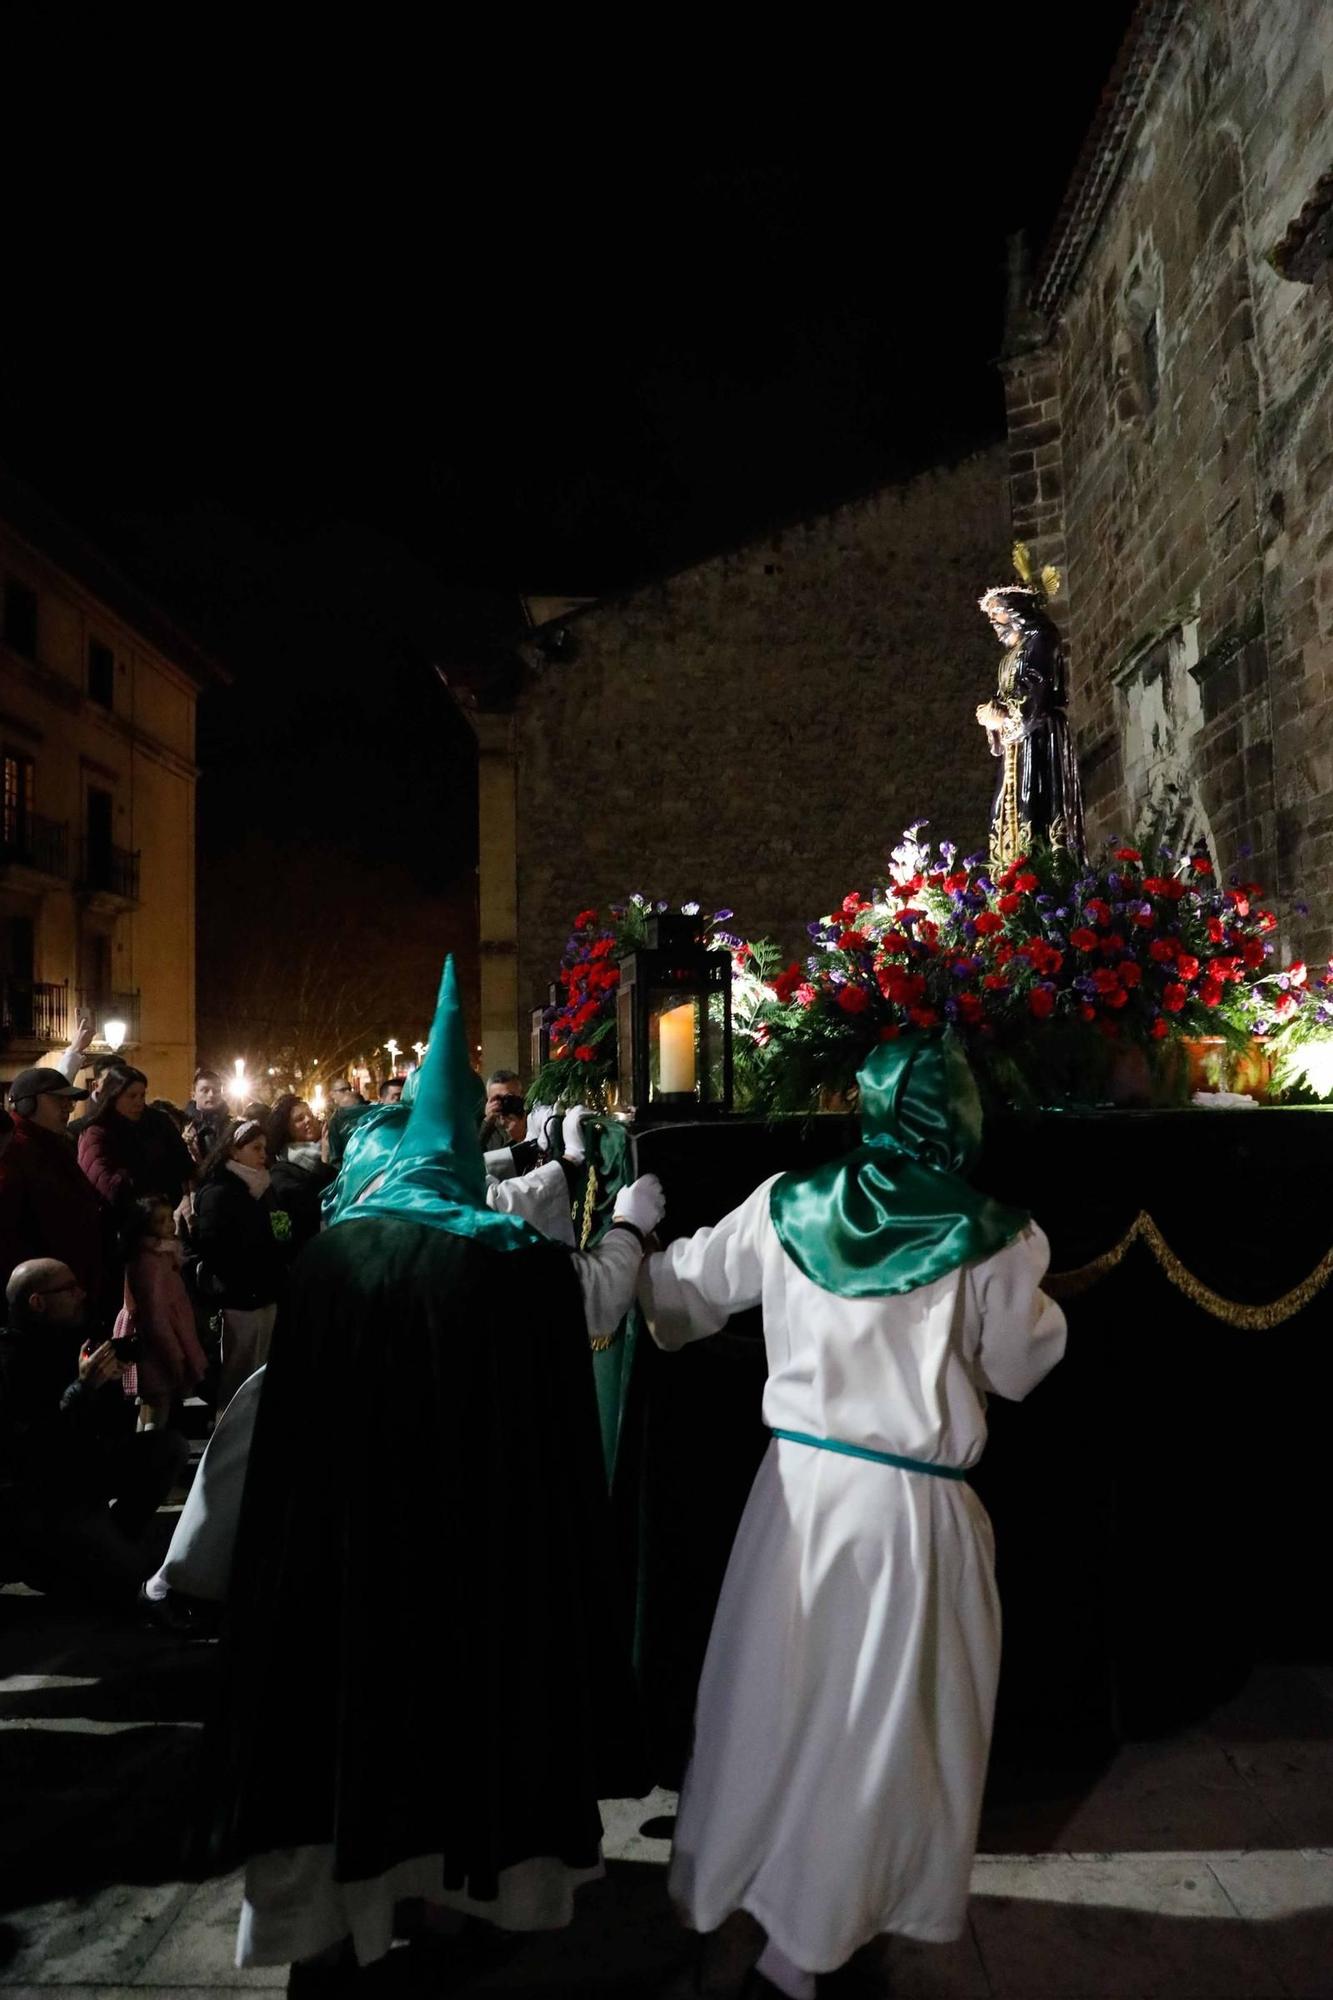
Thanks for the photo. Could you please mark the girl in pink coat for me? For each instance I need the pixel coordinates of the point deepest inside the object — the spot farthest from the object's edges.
(171, 1361)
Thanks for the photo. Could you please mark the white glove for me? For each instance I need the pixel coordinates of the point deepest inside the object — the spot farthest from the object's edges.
(571, 1134)
(642, 1203)
(541, 1118)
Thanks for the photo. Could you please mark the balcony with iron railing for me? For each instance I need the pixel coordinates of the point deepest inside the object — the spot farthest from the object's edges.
(110, 871)
(104, 1007)
(34, 1011)
(42, 845)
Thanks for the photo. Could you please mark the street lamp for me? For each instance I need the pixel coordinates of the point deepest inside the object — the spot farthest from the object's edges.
(238, 1083)
(419, 1050)
(391, 1047)
(113, 1034)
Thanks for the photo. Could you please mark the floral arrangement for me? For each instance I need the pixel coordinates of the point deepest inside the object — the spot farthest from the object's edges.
(1047, 969)
(582, 1066)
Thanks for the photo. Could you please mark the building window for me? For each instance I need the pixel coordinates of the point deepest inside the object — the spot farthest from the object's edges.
(19, 785)
(101, 673)
(21, 618)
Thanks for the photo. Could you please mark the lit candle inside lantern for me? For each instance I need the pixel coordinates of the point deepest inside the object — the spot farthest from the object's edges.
(676, 1050)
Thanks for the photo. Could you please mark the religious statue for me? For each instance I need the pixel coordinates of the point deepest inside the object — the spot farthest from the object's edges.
(1038, 797)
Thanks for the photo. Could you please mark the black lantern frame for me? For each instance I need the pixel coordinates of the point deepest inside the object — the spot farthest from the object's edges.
(673, 1025)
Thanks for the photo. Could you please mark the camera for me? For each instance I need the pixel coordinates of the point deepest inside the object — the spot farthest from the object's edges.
(509, 1106)
(126, 1349)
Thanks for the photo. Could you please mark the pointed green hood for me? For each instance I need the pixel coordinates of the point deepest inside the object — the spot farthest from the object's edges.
(898, 1213)
(435, 1173)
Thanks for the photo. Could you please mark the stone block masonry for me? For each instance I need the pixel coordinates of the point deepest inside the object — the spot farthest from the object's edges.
(755, 731)
(1171, 447)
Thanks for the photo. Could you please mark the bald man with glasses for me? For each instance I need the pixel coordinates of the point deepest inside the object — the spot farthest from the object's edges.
(78, 1485)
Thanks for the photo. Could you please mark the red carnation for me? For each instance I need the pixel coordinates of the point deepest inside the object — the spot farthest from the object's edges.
(1112, 944)
(1106, 980)
(786, 983)
(1163, 950)
(890, 1033)
(1297, 973)
(584, 919)
(1215, 930)
(1201, 865)
(987, 924)
(1009, 903)
(1187, 968)
(1117, 999)
(1174, 997)
(603, 948)
(923, 1017)
(1131, 973)
(1144, 919)
(1265, 920)
(1239, 903)
(806, 996)
(853, 999)
(1253, 953)
(1210, 992)
(1026, 883)
(1041, 1001)
(1098, 911)
(1159, 1029)
(1087, 1013)
(969, 1008)
(1083, 939)
(1128, 854)
(995, 982)
(1286, 1003)
(584, 1054)
(852, 903)
(853, 941)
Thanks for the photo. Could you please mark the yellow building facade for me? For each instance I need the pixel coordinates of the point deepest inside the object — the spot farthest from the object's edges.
(97, 843)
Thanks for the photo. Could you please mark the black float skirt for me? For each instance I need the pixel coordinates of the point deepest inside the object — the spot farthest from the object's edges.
(424, 1652)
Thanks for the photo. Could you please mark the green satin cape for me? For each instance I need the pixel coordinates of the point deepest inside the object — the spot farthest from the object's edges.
(897, 1213)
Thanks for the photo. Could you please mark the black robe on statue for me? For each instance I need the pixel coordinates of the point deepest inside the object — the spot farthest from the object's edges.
(1038, 796)
(425, 1652)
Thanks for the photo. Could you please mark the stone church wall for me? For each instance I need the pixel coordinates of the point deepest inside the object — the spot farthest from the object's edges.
(1171, 445)
(756, 731)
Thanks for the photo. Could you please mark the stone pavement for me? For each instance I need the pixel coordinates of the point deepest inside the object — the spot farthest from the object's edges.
(1193, 1867)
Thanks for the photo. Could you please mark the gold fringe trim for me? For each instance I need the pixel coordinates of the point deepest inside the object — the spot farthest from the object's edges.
(1250, 1319)
(603, 1340)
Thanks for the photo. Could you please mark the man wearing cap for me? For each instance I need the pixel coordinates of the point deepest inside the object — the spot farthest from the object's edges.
(47, 1206)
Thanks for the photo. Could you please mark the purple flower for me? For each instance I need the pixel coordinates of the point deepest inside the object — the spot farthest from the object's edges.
(973, 860)
(1301, 909)
(1044, 902)
(722, 916)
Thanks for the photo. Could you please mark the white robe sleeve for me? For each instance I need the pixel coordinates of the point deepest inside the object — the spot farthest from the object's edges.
(198, 1561)
(540, 1197)
(692, 1288)
(1022, 1331)
(608, 1274)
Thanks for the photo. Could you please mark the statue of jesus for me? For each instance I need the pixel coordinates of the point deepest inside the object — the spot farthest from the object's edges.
(1038, 796)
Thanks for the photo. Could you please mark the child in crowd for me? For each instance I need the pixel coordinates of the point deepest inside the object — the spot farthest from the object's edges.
(171, 1361)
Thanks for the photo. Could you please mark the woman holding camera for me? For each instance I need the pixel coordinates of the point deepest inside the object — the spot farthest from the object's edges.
(243, 1239)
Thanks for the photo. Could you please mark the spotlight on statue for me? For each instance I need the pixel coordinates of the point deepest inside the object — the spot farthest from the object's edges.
(673, 1025)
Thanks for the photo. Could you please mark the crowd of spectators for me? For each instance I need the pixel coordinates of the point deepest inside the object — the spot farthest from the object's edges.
(144, 1253)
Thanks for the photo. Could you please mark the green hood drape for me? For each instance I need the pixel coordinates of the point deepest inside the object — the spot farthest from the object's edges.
(897, 1213)
(435, 1173)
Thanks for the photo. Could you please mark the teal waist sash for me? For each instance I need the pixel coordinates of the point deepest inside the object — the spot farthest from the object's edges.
(876, 1457)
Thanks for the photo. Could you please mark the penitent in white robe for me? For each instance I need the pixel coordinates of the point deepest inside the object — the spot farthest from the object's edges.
(845, 1707)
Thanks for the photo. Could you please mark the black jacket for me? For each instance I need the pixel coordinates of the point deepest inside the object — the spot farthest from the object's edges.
(243, 1242)
(299, 1190)
(53, 1428)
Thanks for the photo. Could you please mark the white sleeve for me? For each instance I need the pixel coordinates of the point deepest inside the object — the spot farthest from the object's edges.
(69, 1062)
(1022, 1331)
(541, 1198)
(199, 1558)
(608, 1274)
(692, 1288)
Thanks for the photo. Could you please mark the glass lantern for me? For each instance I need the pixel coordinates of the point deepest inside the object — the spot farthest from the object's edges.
(673, 1025)
(541, 1032)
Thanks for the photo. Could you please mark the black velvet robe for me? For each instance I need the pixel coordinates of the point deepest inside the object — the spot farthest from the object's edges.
(424, 1652)
(1038, 796)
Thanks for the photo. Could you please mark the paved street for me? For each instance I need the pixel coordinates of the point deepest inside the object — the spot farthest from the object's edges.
(1193, 1867)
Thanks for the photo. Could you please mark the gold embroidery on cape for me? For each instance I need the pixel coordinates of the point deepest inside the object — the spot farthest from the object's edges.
(1248, 1319)
(603, 1340)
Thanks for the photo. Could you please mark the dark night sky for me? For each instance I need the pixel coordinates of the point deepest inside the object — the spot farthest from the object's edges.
(338, 405)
